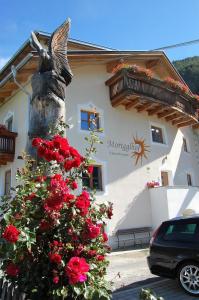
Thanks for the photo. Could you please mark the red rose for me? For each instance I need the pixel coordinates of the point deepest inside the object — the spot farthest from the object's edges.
(90, 169)
(40, 151)
(56, 279)
(12, 270)
(53, 203)
(30, 197)
(110, 211)
(93, 231)
(83, 203)
(68, 165)
(105, 237)
(55, 258)
(40, 179)
(77, 162)
(36, 142)
(11, 234)
(76, 270)
(74, 152)
(74, 185)
(92, 253)
(100, 257)
(44, 225)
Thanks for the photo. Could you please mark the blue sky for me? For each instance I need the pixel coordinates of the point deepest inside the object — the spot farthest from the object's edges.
(120, 24)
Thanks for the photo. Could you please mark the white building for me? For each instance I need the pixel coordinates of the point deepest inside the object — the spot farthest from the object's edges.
(150, 132)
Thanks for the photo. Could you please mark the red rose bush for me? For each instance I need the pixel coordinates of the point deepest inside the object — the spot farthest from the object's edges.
(53, 244)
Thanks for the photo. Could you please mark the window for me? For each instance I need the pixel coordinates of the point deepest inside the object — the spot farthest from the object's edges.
(180, 232)
(89, 120)
(7, 182)
(94, 180)
(184, 143)
(189, 180)
(165, 178)
(8, 123)
(157, 134)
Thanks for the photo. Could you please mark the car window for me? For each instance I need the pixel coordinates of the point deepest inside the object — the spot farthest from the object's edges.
(180, 232)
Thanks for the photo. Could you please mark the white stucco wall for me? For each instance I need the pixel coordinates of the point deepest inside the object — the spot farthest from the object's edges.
(171, 202)
(18, 107)
(124, 182)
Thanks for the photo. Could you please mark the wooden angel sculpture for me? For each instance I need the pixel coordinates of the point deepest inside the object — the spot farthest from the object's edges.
(49, 83)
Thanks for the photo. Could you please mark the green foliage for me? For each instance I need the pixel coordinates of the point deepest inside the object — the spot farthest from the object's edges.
(189, 70)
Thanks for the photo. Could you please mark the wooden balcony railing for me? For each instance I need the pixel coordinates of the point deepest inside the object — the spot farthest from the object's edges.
(7, 146)
(154, 97)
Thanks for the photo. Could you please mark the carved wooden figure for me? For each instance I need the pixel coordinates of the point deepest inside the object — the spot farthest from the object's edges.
(49, 83)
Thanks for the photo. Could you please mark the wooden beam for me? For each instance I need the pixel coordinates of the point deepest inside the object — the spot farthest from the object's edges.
(188, 123)
(132, 103)
(173, 117)
(152, 63)
(155, 110)
(118, 101)
(111, 65)
(196, 126)
(144, 107)
(5, 94)
(9, 85)
(166, 113)
(180, 120)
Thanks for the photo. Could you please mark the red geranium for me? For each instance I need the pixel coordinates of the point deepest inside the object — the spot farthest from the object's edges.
(11, 234)
(76, 270)
(12, 270)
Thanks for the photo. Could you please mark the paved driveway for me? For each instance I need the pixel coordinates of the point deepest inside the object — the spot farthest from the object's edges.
(129, 273)
(166, 288)
(128, 269)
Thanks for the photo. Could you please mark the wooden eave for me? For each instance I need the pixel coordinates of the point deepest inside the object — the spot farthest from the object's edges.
(87, 53)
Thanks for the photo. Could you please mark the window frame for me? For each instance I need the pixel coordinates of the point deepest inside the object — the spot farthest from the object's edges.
(189, 179)
(9, 119)
(91, 179)
(164, 135)
(88, 120)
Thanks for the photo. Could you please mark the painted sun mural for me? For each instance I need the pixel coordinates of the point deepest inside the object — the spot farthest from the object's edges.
(140, 149)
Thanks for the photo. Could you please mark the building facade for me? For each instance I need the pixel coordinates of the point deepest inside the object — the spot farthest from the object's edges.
(150, 135)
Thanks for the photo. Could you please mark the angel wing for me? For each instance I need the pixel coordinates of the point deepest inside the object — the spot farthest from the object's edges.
(58, 51)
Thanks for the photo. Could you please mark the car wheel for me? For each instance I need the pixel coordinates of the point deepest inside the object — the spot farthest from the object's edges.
(188, 277)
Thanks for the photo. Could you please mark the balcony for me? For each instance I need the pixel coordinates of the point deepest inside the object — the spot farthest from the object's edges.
(153, 96)
(7, 145)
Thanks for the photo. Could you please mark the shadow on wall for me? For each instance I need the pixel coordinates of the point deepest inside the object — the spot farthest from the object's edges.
(137, 213)
(187, 201)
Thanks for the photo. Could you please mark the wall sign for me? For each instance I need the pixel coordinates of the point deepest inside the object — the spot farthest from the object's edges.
(141, 149)
(136, 149)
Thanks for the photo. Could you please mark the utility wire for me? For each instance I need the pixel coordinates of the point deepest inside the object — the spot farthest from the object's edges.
(177, 45)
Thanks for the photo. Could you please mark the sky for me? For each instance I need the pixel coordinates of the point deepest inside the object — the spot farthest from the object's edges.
(118, 24)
